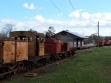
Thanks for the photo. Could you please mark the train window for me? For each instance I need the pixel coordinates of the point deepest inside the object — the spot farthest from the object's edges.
(18, 38)
(31, 38)
(12, 38)
(21, 37)
(38, 39)
(24, 38)
(41, 39)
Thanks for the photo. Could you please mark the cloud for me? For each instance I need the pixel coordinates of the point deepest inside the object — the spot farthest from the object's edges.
(38, 18)
(31, 6)
(25, 5)
(85, 20)
(6, 21)
(75, 14)
(85, 15)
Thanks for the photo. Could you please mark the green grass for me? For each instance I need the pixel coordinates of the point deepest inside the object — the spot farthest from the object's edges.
(92, 67)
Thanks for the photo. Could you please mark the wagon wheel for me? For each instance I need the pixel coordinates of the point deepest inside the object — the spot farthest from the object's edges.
(61, 56)
(58, 57)
(55, 58)
(65, 55)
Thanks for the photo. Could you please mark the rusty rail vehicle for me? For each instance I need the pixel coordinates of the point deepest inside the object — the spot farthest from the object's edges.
(12, 53)
(27, 49)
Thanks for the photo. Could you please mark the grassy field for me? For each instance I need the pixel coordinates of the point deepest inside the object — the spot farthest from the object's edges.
(91, 67)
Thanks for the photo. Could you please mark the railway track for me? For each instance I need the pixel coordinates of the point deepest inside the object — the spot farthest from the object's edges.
(47, 68)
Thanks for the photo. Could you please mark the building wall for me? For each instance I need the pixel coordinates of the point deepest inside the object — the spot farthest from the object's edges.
(66, 37)
(71, 44)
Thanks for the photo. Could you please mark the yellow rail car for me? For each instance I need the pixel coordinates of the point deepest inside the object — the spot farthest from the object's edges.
(12, 55)
(35, 41)
(11, 51)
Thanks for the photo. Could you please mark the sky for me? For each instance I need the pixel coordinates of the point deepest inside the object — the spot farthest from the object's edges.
(80, 16)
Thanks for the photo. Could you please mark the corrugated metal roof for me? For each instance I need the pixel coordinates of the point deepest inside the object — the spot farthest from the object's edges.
(73, 33)
(79, 35)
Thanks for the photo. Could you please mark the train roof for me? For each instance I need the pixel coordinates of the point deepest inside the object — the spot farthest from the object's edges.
(52, 40)
(28, 33)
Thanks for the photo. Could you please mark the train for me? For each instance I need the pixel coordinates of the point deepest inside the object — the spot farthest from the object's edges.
(28, 49)
(104, 43)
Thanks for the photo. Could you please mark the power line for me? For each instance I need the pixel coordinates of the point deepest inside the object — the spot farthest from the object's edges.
(65, 14)
(61, 11)
(58, 9)
(71, 5)
(75, 11)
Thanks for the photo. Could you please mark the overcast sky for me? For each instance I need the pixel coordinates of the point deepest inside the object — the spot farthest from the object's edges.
(79, 16)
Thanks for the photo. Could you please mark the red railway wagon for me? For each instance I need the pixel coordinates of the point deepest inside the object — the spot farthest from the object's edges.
(101, 44)
(57, 49)
(53, 45)
(107, 42)
(53, 48)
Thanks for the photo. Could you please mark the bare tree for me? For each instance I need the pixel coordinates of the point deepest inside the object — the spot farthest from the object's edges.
(107, 37)
(94, 39)
(50, 32)
(5, 31)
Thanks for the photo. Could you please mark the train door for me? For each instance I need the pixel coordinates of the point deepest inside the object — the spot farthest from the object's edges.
(37, 46)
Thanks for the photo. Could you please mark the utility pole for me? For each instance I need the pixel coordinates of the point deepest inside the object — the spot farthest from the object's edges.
(98, 33)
